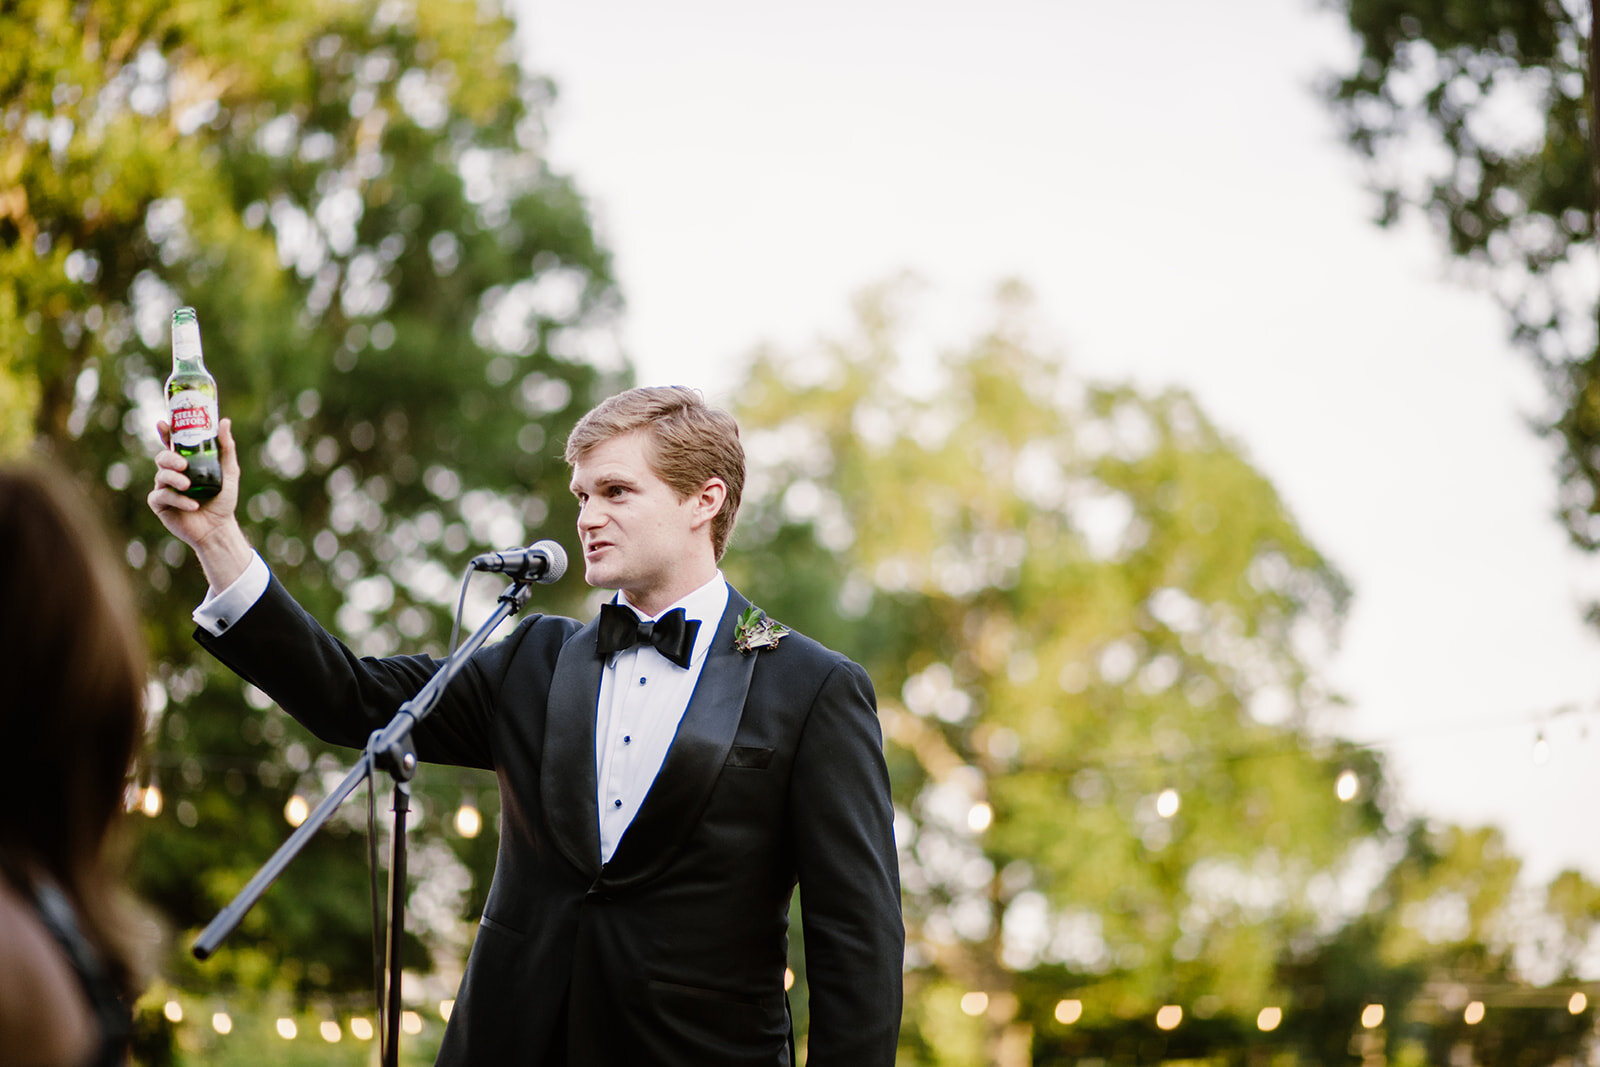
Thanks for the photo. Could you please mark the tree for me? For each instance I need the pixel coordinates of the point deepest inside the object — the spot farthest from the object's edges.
(1483, 118)
(405, 310)
(1090, 623)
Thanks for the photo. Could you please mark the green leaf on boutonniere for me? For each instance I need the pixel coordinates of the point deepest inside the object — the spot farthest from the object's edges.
(755, 631)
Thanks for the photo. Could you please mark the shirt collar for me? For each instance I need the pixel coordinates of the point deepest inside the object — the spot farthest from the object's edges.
(705, 604)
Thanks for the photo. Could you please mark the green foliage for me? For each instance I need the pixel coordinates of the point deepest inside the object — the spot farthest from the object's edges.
(1482, 117)
(1093, 629)
(397, 298)
(1072, 598)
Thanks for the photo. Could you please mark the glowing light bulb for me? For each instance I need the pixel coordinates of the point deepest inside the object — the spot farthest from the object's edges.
(788, 979)
(1576, 1003)
(469, 821)
(1269, 1019)
(411, 1022)
(445, 1008)
(296, 810)
(1169, 1017)
(361, 1028)
(979, 817)
(1068, 1011)
(974, 1003)
(330, 1031)
(1372, 1016)
(1474, 1013)
(1167, 803)
(1348, 785)
(150, 801)
(222, 1022)
(287, 1029)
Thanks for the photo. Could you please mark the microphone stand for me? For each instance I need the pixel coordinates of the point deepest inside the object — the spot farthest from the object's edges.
(389, 749)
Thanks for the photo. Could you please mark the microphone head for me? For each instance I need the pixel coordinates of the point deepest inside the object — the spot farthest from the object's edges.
(558, 561)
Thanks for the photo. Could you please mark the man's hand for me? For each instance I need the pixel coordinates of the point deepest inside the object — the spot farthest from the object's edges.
(210, 527)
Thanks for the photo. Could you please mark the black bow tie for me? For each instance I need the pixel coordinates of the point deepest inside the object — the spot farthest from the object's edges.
(672, 635)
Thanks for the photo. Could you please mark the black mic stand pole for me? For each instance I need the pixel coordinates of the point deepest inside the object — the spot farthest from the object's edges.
(389, 749)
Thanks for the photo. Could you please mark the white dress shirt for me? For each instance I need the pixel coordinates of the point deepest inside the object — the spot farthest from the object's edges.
(643, 695)
(218, 611)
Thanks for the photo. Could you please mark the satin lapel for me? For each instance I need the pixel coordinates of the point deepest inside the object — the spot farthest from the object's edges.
(567, 774)
(678, 795)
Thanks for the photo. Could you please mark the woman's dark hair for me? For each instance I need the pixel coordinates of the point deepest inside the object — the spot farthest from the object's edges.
(73, 673)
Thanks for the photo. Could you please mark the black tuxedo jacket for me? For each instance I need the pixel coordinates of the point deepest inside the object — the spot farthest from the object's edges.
(672, 953)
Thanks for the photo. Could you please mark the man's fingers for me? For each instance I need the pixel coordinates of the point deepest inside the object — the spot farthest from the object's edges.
(166, 498)
(164, 430)
(169, 477)
(229, 454)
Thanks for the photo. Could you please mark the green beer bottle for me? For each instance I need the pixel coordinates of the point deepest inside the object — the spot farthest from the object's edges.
(192, 408)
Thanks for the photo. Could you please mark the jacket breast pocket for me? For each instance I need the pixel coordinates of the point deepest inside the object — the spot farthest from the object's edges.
(749, 756)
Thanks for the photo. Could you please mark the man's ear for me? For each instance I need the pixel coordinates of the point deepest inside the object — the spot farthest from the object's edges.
(708, 501)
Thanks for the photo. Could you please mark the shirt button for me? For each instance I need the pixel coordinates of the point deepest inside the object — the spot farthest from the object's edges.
(641, 681)
(627, 739)
(616, 803)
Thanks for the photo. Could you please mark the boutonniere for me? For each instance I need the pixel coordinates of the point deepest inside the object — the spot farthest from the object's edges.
(755, 631)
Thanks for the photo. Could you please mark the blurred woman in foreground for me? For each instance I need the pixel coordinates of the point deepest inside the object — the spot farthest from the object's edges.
(72, 677)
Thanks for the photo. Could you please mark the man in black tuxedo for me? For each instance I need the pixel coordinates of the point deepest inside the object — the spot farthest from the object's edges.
(663, 791)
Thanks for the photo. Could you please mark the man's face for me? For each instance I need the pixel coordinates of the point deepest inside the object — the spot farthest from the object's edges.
(637, 535)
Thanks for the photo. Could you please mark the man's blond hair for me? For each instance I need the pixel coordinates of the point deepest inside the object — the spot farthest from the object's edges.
(689, 443)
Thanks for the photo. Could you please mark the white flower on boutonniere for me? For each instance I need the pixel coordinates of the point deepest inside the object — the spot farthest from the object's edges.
(755, 631)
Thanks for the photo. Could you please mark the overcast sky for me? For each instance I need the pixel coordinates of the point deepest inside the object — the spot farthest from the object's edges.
(1164, 179)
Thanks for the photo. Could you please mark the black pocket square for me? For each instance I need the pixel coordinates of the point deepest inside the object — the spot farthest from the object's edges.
(749, 756)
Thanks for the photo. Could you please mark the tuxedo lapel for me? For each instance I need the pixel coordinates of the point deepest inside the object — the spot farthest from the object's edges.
(567, 775)
(679, 793)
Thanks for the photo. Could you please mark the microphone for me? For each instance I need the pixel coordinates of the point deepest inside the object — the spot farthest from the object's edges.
(543, 562)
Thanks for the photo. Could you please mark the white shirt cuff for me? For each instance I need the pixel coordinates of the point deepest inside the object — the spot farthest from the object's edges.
(221, 610)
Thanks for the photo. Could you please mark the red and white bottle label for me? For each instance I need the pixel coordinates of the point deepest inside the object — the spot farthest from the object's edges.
(194, 418)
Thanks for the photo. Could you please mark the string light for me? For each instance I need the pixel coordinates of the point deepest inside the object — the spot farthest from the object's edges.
(469, 821)
(1167, 803)
(979, 817)
(296, 810)
(973, 1003)
(788, 979)
(150, 800)
(1347, 786)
